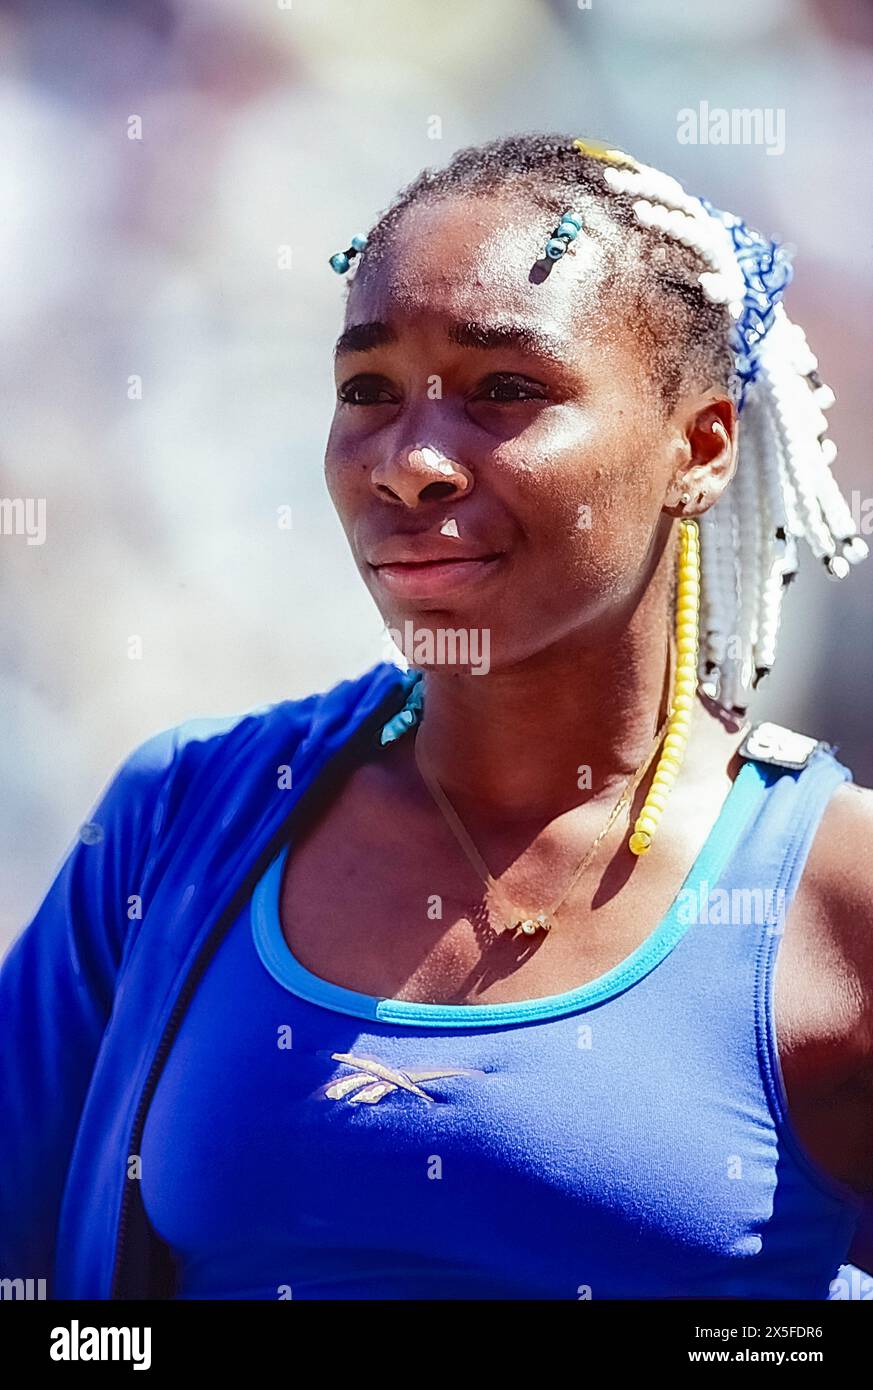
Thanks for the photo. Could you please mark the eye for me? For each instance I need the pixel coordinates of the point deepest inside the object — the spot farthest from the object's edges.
(509, 389)
(366, 390)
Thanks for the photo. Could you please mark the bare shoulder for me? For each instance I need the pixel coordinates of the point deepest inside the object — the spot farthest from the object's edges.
(838, 885)
(840, 864)
(839, 873)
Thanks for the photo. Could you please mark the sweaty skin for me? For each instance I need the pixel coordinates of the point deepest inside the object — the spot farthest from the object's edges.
(510, 422)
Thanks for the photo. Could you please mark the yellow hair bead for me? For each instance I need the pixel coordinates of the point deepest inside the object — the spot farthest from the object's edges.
(662, 790)
(665, 776)
(687, 618)
(598, 150)
(665, 771)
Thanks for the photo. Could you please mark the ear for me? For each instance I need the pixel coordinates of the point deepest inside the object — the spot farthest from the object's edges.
(706, 449)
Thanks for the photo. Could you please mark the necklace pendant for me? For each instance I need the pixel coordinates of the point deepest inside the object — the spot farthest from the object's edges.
(529, 926)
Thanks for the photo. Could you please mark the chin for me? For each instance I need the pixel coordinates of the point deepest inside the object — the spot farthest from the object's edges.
(441, 641)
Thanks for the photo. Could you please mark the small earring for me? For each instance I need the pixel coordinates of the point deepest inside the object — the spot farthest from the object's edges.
(567, 230)
(685, 498)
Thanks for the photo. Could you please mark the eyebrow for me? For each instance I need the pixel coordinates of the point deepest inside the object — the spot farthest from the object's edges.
(363, 337)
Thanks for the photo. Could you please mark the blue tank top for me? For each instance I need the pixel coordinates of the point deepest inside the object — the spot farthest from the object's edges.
(625, 1139)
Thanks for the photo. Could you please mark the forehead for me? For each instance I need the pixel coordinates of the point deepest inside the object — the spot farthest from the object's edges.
(481, 258)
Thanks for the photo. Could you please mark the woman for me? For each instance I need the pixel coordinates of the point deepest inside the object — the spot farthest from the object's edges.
(462, 983)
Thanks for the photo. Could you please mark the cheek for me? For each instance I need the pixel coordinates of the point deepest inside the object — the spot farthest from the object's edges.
(576, 477)
(344, 479)
(333, 478)
(587, 497)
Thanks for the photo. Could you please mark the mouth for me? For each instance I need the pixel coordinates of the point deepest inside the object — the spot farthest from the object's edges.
(434, 578)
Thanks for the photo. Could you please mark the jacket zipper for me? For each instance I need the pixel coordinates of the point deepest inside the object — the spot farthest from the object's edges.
(344, 758)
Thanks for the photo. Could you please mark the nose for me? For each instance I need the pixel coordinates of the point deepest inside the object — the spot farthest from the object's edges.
(421, 474)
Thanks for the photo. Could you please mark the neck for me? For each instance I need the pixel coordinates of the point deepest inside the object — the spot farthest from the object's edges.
(516, 742)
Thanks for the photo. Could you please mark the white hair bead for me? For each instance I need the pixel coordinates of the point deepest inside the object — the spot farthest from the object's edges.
(834, 507)
(714, 625)
(783, 490)
(855, 550)
(828, 451)
(714, 288)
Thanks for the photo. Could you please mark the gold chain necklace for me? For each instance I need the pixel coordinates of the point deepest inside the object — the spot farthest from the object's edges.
(522, 921)
(682, 684)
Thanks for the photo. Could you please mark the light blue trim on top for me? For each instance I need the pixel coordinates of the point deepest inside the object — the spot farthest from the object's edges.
(741, 801)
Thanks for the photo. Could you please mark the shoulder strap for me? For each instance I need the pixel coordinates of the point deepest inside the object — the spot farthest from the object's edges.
(779, 746)
(798, 776)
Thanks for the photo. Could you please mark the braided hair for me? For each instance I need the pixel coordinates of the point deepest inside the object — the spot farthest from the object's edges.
(706, 292)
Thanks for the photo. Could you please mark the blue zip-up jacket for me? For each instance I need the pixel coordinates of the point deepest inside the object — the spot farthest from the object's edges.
(90, 995)
(94, 990)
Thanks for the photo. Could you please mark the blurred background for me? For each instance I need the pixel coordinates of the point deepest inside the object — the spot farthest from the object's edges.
(168, 316)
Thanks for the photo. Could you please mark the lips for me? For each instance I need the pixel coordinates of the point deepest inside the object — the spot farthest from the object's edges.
(435, 577)
(424, 550)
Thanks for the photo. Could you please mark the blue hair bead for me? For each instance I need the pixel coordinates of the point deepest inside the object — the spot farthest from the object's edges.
(567, 230)
(343, 259)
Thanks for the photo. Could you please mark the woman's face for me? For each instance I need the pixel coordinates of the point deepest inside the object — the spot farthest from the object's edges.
(499, 457)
